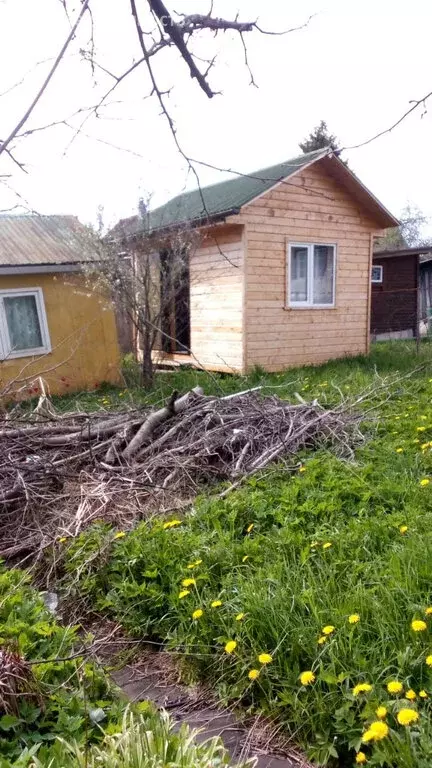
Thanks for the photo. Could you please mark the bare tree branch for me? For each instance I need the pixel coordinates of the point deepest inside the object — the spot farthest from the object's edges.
(415, 105)
(47, 80)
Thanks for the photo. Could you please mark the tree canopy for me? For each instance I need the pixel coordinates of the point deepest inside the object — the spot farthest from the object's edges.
(319, 138)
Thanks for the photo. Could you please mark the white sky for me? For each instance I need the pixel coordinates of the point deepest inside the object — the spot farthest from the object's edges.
(356, 65)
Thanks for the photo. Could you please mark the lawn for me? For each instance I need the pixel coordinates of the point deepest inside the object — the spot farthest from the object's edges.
(306, 596)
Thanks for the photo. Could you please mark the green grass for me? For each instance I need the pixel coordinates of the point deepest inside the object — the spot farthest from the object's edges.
(350, 375)
(286, 583)
(145, 741)
(49, 720)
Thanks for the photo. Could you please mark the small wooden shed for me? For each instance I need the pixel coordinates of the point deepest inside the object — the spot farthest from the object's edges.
(281, 273)
(51, 322)
(395, 295)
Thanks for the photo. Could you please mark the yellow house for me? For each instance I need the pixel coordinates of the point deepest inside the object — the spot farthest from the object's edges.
(281, 275)
(51, 323)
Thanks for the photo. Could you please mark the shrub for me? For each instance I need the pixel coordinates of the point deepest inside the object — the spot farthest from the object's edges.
(144, 742)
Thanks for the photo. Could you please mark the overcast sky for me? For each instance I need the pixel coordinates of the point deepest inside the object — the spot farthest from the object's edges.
(355, 65)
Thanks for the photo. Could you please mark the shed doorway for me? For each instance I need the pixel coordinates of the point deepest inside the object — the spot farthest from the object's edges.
(175, 302)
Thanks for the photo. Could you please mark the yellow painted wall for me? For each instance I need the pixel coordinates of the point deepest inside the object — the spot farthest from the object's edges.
(83, 335)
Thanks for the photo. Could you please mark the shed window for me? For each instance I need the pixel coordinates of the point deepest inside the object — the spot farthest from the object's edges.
(377, 274)
(23, 325)
(311, 275)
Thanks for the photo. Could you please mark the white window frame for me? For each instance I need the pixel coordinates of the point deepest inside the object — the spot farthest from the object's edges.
(6, 351)
(380, 279)
(309, 304)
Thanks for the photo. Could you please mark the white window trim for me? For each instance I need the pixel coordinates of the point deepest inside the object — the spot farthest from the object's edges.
(6, 353)
(309, 303)
(380, 279)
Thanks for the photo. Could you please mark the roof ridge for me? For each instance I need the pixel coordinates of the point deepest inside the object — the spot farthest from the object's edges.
(235, 175)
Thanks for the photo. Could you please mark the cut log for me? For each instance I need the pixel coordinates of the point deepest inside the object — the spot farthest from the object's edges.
(158, 417)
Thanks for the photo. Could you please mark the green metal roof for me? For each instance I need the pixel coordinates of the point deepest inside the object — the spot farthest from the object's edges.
(217, 200)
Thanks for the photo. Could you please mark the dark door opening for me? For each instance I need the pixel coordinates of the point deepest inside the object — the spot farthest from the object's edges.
(175, 301)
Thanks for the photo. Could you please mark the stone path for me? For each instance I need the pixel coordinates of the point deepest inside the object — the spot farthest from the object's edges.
(153, 678)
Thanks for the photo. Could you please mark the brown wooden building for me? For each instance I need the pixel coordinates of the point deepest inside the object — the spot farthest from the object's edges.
(281, 273)
(400, 293)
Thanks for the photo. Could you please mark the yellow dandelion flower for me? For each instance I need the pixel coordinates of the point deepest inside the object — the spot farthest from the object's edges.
(188, 582)
(399, 450)
(253, 674)
(424, 482)
(63, 539)
(428, 611)
(417, 625)
(216, 603)
(381, 713)
(246, 557)
(354, 618)
(184, 593)
(410, 695)
(302, 469)
(328, 629)
(362, 688)
(376, 731)
(240, 616)
(403, 529)
(250, 527)
(198, 613)
(306, 678)
(195, 564)
(423, 694)
(421, 429)
(230, 646)
(429, 660)
(119, 535)
(425, 446)
(265, 658)
(394, 686)
(327, 545)
(407, 716)
(323, 639)
(171, 524)
(361, 758)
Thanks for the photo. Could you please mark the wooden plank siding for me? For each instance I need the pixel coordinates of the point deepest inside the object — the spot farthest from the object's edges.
(216, 301)
(394, 301)
(310, 208)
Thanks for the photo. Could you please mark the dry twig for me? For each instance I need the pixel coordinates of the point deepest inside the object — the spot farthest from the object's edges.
(60, 473)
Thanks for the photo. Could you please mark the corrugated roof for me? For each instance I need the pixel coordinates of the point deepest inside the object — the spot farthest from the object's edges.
(216, 200)
(31, 239)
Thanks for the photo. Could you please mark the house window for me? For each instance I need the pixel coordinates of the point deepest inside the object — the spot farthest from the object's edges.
(23, 324)
(377, 274)
(311, 275)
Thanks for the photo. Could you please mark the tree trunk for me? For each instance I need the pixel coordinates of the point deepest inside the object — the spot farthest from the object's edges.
(147, 366)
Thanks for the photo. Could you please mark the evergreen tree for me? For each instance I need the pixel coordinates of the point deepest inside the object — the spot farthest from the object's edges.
(319, 138)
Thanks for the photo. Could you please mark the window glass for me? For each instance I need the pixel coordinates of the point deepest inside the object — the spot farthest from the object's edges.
(299, 273)
(323, 269)
(23, 322)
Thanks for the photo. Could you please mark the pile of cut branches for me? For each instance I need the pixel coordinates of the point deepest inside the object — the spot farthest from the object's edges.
(61, 472)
